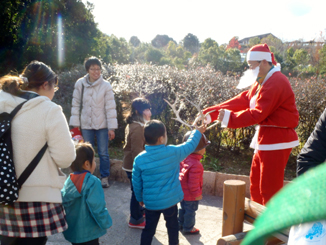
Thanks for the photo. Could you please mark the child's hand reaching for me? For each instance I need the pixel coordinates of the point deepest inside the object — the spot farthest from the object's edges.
(202, 128)
(198, 119)
(141, 204)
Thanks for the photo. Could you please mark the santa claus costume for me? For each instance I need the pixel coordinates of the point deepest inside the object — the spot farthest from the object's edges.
(269, 104)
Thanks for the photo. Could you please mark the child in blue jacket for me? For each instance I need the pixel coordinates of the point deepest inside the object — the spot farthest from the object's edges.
(83, 200)
(155, 178)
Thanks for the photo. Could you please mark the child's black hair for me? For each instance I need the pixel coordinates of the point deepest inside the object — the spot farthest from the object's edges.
(84, 152)
(138, 106)
(92, 61)
(153, 130)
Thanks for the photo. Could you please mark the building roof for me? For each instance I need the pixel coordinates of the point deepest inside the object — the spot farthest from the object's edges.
(246, 40)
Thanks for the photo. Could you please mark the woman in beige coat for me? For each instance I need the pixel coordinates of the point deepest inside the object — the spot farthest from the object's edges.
(134, 144)
(38, 212)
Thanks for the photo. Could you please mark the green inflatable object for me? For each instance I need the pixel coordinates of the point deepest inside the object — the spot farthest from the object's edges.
(300, 201)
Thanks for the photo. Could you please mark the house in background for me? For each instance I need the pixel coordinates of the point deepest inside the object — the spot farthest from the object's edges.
(302, 44)
(245, 41)
(312, 46)
(245, 44)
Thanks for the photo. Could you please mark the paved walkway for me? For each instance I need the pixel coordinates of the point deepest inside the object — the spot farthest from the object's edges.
(208, 220)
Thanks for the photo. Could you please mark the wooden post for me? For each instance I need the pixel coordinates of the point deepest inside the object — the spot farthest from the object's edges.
(235, 239)
(252, 211)
(234, 192)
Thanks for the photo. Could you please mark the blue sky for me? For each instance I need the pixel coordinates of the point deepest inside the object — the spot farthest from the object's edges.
(217, 19)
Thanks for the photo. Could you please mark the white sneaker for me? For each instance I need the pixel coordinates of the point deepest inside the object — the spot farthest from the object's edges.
(105, 182)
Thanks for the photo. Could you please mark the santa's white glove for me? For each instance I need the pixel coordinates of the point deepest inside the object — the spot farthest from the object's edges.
(208, 119)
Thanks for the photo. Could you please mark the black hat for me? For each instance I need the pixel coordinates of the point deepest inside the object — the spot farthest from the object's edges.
(203, 143)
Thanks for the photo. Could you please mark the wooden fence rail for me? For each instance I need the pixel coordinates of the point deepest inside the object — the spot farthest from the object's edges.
(238, 209)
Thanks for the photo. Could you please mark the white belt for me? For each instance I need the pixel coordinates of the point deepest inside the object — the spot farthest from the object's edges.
(254, 141)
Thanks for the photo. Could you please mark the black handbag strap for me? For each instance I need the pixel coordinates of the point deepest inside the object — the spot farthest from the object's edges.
(81, 104)
(32, 165)
(24, 95)
(30, 168)
(17, 108)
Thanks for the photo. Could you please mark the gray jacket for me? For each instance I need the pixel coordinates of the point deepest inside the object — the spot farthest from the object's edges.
(99, 108)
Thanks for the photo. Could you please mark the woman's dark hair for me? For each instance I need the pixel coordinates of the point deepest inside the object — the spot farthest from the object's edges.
(92, 61)
(84, 152)
(34, 75)
(138, 106)
(153, 130)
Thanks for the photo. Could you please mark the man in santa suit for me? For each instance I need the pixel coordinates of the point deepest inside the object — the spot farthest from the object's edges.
(270, 105)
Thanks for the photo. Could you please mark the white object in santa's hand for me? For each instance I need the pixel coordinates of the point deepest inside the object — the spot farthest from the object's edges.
(208, 119)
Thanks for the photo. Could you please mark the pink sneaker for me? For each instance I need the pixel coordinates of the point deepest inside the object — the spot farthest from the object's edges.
(194, 231)
(139, 226)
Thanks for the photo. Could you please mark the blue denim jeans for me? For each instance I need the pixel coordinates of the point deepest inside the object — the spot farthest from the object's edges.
(136, 211)
(187, 214)
(171, 223)
(102, 139)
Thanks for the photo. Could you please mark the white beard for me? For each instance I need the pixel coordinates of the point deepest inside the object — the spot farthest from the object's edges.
(248, 78)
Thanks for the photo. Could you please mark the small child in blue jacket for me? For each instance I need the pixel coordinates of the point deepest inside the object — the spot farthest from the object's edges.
(83, 200)
(155, 179)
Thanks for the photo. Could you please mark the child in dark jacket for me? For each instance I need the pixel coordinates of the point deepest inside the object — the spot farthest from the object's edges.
(191, 178)
(155, 178)
(83, 200)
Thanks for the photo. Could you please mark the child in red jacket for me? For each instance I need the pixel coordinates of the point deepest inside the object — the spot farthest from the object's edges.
(191, 178)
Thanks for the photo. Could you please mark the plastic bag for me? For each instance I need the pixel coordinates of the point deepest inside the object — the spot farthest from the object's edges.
(308, 233)
(76, 135)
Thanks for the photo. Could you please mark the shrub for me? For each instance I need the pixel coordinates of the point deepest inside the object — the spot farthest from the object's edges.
(202, 86)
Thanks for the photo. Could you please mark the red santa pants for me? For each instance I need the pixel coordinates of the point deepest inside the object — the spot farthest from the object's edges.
(267, 174)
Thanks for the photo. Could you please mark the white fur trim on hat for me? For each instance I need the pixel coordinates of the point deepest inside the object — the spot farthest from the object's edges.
(259, 56)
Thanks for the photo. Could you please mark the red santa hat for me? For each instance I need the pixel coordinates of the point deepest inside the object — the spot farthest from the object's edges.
(261, 52)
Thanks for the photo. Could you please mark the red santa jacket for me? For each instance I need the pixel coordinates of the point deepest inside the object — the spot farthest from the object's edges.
(191, 177)
(275, 111)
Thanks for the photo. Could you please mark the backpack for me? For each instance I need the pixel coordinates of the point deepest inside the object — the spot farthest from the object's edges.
(9, 184)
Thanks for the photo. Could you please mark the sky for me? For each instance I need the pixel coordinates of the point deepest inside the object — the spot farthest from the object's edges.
(219, 20)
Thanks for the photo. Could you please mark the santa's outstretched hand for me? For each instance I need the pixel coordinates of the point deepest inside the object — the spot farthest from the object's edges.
(208, 118)
(221, 115)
